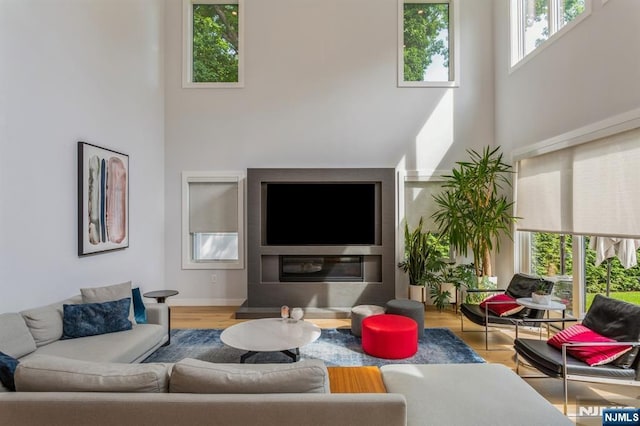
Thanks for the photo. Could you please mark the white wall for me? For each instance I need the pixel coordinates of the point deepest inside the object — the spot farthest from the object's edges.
(587, 75)
(77, 70)
(320, 91)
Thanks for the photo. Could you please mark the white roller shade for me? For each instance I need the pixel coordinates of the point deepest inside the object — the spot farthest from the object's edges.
(588, 189)
(606, 187)
(213, 207)
(544, 187)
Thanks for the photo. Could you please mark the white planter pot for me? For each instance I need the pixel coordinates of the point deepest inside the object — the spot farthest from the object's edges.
(444, 287)
(417, 292)
(541, 299)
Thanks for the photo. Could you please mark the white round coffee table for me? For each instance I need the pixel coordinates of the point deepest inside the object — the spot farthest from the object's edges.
(270, 335)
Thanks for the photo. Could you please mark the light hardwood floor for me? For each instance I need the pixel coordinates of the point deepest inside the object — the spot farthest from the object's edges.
(500, 343)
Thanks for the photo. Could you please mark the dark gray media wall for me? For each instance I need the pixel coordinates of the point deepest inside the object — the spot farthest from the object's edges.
(320, 238)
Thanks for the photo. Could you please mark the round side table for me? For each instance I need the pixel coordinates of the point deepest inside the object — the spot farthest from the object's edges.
(527, 302)
(161, 296)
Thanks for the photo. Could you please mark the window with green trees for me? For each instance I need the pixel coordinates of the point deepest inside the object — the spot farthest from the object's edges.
(551, 256)
(427, 43)
(533, 22)
(213, 54)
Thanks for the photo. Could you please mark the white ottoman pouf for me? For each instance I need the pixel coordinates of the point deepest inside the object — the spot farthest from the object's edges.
(360, 312)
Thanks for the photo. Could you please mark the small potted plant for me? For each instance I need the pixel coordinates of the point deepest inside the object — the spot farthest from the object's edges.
(422, 261)
(540, 296)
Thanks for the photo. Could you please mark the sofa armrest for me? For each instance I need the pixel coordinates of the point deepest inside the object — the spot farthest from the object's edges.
(158, 313)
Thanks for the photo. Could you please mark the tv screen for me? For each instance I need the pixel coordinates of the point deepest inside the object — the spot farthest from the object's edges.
(320, 213)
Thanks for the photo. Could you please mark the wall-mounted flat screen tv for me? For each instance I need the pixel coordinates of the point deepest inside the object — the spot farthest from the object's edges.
(320, 213)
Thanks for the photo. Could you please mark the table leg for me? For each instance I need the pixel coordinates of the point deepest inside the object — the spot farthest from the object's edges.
(294, 354)
(244, 356)
(168, 326)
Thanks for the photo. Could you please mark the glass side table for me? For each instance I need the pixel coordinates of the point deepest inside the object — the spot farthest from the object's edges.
(161, 296)
(527, 302)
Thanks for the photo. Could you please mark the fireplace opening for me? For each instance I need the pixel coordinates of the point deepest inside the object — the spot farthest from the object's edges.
(321, 268)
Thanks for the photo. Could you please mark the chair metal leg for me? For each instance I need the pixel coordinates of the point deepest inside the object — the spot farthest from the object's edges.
(486, 327)
(486, 337)
(565, 381)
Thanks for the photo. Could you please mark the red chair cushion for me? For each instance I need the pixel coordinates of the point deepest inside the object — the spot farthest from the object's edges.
(507, 305)
(592, 355)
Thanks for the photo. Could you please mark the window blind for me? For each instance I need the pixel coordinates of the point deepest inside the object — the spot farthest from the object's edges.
(213, 207)
(606, 187)
(588, 189)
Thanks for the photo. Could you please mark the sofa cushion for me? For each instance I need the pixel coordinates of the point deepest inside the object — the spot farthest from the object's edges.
(90, 319)
(469, 394)
(122, 346)
(45, 323)
(8, 366)
(501, 304)
(15, 338)
(194, 376)
(592, 355)
(42, 373)
(107, 294)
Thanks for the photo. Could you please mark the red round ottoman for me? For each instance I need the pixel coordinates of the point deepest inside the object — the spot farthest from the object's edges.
(389, 336)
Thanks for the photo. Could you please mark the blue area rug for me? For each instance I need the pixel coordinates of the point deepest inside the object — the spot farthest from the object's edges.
(336, 347)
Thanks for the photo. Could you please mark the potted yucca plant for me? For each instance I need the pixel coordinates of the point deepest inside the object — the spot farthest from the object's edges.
(473, 211)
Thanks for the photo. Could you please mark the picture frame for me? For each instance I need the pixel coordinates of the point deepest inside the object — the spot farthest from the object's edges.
(103, 200)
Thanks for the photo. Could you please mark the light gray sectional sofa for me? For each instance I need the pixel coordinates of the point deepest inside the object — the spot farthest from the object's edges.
(38, 331)
(95, 381)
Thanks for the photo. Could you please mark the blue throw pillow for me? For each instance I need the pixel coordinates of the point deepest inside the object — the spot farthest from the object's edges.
(8, 366)
(90, 319)
(139, 309)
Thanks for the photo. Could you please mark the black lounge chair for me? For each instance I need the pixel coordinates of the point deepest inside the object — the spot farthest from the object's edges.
(611, 318)
(521, 285)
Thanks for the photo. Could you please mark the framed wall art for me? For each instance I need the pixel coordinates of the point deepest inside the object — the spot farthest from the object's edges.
(103, 200)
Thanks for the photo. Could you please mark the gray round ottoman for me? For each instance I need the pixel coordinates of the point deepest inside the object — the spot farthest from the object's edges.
(360, 312)
(408, 308)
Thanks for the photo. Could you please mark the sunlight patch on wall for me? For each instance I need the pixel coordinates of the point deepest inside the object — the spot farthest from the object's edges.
(436, 136)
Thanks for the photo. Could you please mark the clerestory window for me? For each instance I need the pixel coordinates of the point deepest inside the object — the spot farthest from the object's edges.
(536, 23)
(427, 51)
(213, 43)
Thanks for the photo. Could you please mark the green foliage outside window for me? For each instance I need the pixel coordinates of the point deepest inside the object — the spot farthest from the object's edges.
(423, 23)
(572, 8)
(215, 43)
(545, 251)
(569, 9)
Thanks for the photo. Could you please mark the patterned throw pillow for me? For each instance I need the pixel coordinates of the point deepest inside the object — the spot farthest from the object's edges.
(507, 305)
(592, 355)
(8, 366)
(90, 319)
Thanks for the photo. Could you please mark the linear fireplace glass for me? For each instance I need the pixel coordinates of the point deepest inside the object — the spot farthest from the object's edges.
(320, 213)
(321, 268)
